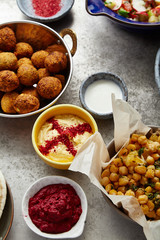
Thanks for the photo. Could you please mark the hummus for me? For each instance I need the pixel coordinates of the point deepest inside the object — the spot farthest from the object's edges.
(61, 137)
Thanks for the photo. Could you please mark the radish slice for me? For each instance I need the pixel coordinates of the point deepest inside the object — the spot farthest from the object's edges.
(139, 5)
(118, 5)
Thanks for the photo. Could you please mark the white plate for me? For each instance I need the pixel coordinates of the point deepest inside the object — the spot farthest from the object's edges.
(77, 229)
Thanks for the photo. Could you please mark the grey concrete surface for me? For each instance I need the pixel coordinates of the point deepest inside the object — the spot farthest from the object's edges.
(102, 46)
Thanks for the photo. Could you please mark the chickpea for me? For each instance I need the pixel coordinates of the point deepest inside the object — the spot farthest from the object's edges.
(143, 199)
(155, 179)
(156, 156)
(114, 177)
(140, 169)
(130, 193)
(142, 140)
(157, 186)
(105, 173)
(158, 212)
(132, 182)
(157, 173)
(137, 146)
(145, 208)
(136, 176)
(122, 189)
(131, 147)
(123, 170)
(139, 192)
(148, 189)
(150, 160)
(108, 187)
(113, 169)
(105, 181)
(120, 193)
(149, 173)
(143, 180)
(116, 185)
(123, 152)
(134, 137)
(123, 181)
(113, 192)
(129, 176)
(131, 169)
(118, 162)
(151, 167)
(150, 205)
(151, 214)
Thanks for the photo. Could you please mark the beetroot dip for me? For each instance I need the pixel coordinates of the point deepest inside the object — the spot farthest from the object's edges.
(55, 208)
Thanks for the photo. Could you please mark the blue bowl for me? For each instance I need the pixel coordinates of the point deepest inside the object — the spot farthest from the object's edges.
(107, 76)
(97, 8)
(26, 7)
(157, 69)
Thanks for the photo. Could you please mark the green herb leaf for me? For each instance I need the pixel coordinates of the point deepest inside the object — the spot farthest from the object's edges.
(140, 151)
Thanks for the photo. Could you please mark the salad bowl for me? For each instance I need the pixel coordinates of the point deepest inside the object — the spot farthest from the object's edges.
(97, 8)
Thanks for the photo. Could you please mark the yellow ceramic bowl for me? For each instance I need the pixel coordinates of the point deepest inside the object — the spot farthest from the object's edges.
(51, 112)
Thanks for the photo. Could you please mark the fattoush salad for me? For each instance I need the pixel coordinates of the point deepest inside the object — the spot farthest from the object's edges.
(137, 10)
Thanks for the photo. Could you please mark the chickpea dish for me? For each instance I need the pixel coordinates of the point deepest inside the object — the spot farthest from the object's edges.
(136, 172)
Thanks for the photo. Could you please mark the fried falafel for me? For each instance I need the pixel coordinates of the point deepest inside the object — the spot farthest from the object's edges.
(43, 72)
(26, 103)
(7, 39)
(23, 49)
(8, 61)
(56, 62)
(56, 47)
(49, 87)
(38, 58)
(8, 81)
(7, 102)
(24, 60)
(27, 74)
(32, 91)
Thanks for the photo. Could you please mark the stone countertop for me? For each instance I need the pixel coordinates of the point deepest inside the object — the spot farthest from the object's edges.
(102, 46)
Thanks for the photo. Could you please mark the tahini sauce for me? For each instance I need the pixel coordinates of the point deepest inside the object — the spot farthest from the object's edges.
(98, 95)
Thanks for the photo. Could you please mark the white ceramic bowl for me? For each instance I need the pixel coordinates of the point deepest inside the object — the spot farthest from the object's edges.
(77, 229)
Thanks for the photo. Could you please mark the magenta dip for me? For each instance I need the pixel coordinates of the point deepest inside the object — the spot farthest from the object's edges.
(55, 208)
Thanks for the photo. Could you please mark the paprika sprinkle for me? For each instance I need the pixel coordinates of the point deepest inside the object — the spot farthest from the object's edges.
(46, 8)
(62, 136)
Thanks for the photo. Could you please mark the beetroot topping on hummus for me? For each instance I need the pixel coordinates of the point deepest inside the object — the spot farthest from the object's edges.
(62, 136)
(55, 208)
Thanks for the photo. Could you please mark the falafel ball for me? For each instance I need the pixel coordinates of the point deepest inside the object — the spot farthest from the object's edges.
(49, 87)
(27, 74)
(7, 39)
(26, 103)
(43, 72)
(55, 62)
(8, 81)
(32, 91)
(61, 78)
(23, 49)
(38, 58)
(7, 102)
(24, 61)
(8, 61)
(56, 47)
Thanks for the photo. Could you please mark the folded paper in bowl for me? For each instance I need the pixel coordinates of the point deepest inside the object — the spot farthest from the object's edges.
(94, 156)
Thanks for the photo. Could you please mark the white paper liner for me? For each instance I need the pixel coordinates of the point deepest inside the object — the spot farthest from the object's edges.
(93, 156)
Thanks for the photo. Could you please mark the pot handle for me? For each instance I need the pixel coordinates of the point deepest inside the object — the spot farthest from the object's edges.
(73, 36)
